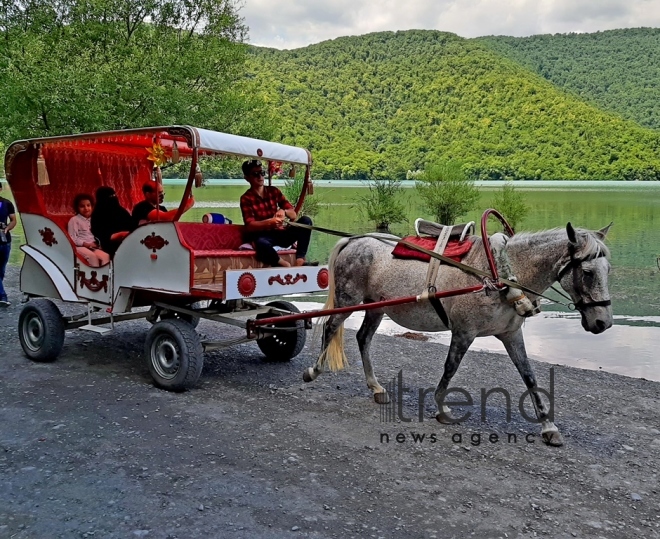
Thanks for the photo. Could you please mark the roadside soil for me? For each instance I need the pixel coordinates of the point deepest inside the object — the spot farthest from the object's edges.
(90, 448)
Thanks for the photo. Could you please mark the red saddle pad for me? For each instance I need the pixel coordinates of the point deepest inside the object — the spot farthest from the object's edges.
(455, 249)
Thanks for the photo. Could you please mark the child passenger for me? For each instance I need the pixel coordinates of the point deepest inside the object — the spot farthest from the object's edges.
(80, 231)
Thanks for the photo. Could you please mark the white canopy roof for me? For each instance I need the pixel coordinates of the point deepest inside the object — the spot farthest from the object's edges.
(249, 147)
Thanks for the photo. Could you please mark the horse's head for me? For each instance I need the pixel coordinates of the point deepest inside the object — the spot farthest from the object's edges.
(584, 274)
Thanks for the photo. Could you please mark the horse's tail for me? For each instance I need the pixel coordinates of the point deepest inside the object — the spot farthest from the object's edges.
(333, 357)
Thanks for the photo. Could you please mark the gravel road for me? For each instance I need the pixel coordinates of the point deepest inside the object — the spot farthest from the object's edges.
(89, 448)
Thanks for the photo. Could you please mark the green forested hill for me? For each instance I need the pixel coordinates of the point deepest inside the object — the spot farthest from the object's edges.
(387, 103)
(619, 70)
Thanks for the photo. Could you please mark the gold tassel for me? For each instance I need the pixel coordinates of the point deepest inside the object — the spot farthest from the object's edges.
(310, 188)
(175, 153)
(292, 172)
(199, 178)
(42, 171)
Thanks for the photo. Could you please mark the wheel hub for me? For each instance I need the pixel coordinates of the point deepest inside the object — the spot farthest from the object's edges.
(165, 357)
(33, 332)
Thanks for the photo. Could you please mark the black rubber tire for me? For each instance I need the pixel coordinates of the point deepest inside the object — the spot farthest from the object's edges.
(41, 330)
(286, 345)
(174, 355)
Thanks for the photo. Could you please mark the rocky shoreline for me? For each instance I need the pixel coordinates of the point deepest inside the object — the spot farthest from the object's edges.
(89, 448)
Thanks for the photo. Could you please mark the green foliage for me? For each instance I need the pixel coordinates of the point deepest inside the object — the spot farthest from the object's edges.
(79, 65)
(447, 191)
(382, 104)
(618, 70)
(292, 189)
(511, 204)
(382, 205)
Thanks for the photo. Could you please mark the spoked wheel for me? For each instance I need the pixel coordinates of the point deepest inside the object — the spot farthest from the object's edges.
(284, 345)
(41, 330)
(174, 354)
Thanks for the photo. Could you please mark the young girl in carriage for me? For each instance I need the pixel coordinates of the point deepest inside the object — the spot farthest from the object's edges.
(80, 231)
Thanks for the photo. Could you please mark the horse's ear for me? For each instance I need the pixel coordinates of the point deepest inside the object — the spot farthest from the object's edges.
(572, 236)
(603, 231)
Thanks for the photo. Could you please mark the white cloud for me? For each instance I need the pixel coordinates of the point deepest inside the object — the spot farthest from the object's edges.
(288, 24)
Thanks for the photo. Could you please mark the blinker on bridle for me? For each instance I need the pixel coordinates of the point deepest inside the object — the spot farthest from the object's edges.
(574, 264)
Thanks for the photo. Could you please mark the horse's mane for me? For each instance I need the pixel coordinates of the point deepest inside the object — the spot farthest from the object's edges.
(590, 246)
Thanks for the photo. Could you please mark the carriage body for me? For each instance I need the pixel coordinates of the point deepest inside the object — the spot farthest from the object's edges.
(169, 267)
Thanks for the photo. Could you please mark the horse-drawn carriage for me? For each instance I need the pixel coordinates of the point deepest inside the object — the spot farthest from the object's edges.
(171, 273)
(166, 268)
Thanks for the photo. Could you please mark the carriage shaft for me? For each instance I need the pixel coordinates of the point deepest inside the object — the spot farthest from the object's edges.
(252, 324)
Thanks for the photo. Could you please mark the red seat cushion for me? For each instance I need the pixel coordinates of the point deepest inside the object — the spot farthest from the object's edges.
(455, 249)
(234, 252)
(210, 237)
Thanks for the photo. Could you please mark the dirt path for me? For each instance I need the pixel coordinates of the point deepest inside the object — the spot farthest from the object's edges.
(89, 448)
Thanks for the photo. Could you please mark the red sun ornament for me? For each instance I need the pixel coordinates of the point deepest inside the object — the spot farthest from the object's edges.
(322, 278)
(247, 284)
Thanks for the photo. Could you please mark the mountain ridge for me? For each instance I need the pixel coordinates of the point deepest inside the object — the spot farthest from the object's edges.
(386, 103)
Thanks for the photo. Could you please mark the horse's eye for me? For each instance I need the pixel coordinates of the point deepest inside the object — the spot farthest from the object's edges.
(588, 273)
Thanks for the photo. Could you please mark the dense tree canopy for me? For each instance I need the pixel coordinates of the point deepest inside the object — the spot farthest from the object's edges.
(619, 70)
(386, 103)
(71, 66)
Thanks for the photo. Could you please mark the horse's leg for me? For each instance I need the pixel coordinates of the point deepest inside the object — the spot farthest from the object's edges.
(369, 326)
(515, 346)
(330, 328)
(460, 342)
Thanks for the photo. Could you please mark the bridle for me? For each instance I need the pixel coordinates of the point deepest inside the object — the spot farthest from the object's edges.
(574, 264)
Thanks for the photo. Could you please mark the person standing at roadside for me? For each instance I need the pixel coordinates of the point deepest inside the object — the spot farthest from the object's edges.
(7, 224)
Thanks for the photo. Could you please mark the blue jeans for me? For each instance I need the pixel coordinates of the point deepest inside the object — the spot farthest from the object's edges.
(4, 258)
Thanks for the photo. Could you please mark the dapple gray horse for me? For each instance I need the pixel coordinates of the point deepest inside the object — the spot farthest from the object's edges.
(362, 270)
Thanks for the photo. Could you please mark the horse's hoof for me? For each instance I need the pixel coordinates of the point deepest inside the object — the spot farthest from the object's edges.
(382, 397)
(445, 418)
(553, 438)
(308, 375)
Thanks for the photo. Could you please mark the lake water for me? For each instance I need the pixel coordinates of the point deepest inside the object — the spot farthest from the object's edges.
(634, 240)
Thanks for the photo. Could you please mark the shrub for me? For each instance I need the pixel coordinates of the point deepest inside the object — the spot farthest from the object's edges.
(511, 204)
(292, 189)
(381, 205)
(447, 191)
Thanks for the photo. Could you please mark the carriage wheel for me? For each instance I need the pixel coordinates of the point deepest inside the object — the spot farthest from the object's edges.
(174, 354)
(41, 330)
(285, 345)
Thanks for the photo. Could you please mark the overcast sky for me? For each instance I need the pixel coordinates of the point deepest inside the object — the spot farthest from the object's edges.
(288, 24)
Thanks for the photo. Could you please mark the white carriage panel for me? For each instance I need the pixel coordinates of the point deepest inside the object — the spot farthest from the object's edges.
(46, 237)
(153, 258)
(259, 283)
(94, 283)
(259, 149)
(40, 277)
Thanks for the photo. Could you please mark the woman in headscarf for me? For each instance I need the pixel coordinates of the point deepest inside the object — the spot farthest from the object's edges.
(110, 222)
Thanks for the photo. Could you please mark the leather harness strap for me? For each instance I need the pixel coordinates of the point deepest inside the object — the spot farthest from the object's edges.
(434, 263)
(432, 274)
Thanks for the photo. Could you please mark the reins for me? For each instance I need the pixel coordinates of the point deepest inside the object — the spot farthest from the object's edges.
(487, 278)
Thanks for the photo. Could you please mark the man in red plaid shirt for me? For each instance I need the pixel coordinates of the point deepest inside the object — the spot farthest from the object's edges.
(264, 209)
